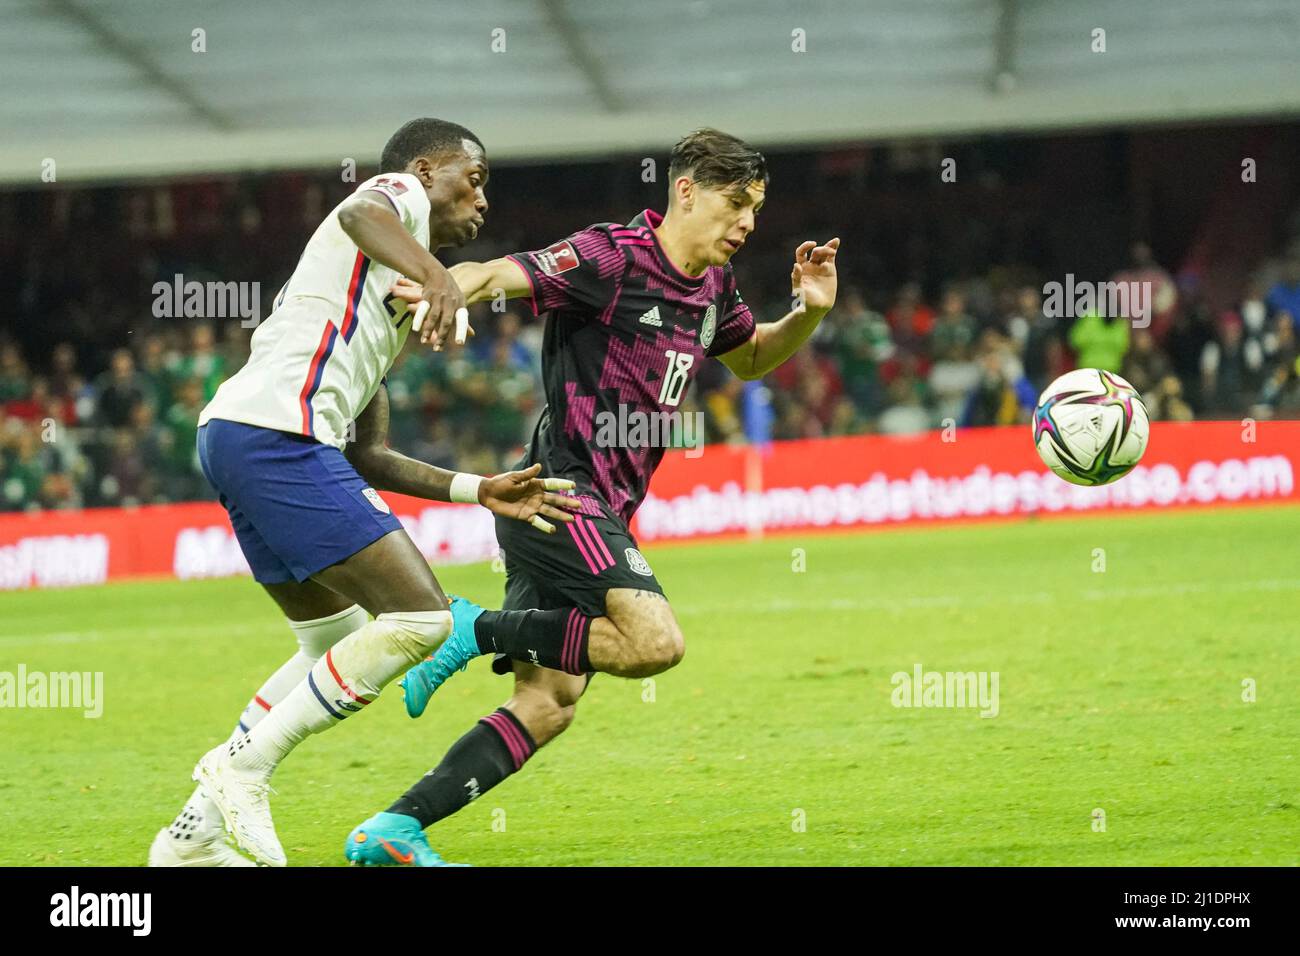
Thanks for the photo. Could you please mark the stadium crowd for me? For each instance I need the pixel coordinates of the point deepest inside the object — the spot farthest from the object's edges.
(104, 411)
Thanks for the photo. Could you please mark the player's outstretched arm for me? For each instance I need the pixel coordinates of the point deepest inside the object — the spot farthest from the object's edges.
(813, 281)
(481, 281)
(515, 494)
(478, 281)
(371, 223)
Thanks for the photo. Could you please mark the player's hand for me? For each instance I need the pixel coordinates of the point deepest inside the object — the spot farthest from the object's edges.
(444, 298)
(413, 293)
(525, 497)
(813, 276)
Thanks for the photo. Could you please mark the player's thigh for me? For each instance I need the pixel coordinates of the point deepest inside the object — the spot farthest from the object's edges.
(386, 576)
(307, 600)
(645, 617)
(585, 560)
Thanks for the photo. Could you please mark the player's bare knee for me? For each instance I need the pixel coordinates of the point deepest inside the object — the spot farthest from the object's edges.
(658, 649)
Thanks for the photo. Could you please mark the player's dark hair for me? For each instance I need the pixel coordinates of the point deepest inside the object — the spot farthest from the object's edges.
(422, 137)
(714, 158)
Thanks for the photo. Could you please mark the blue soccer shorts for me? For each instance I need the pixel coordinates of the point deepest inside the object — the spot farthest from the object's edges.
(297, 506)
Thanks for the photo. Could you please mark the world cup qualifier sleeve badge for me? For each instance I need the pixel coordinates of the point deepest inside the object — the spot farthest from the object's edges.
(637, 562)
(558, 258)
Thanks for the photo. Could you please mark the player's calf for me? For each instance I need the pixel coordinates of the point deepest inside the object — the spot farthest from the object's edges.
(499, 745)
(545, 701)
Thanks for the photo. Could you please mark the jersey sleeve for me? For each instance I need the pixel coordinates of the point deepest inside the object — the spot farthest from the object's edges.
(578, 272)
(408, 197)
(736, 327)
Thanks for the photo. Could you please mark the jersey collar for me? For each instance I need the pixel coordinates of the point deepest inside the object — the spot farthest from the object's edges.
(651, 221)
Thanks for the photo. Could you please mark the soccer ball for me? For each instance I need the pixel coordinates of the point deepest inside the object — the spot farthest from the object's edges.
(1090, 426)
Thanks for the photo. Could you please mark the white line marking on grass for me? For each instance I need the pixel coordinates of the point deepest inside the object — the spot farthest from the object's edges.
(939, 601)
(183, 631)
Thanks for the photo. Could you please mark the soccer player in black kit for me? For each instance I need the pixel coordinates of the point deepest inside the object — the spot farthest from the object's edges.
(633, 311)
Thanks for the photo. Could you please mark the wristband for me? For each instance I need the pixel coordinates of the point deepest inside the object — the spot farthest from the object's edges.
(464, 488)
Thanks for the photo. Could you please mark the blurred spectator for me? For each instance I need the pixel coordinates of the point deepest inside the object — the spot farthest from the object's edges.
(154, 370)
(908, 398)
(910, 319)
(1165, 401)
(15, 380)
(953, 331)
(135, 466)
(1099, 342)
(1281, 388)
(1192, 329)
(1001, 395)
(859, 340)
(180, 427)
(1231, 367)
(1158, 293)
(66, 384)
(508, 398)
(202, 361)
(23, 473)
(1285, 295)
(120, 390)
(805, 391)
(724, 411)
(1145, 365)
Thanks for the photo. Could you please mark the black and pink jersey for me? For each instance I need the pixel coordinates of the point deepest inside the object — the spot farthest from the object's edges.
(627, 328)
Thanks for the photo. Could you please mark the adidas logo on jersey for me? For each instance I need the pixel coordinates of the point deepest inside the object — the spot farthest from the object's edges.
(651, 317)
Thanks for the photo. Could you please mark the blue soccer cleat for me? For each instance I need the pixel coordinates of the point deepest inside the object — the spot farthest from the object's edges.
(456, 652)
(391, 839)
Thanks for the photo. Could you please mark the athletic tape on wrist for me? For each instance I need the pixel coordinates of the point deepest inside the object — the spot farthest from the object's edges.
(464, 488)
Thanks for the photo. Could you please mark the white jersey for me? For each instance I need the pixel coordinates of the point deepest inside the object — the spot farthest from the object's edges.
(332, 335)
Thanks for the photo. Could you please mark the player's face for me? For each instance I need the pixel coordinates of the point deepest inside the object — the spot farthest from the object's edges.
(455, 187)
(722, 218)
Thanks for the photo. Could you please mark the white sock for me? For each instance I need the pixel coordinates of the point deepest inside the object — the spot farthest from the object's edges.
(199, 818)
(349, 676)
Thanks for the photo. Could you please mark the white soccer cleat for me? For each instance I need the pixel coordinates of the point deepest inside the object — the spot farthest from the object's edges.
(242, 798)
(166, 850)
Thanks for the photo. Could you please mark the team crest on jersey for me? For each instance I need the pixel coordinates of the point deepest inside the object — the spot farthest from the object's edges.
(558, 258)
(373, 497)
(636, 562)
(709, 327)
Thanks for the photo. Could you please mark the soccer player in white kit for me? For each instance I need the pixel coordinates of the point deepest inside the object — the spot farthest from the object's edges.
(294, 444)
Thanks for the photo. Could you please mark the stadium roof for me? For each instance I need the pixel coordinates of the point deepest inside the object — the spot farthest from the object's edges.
(114, 88)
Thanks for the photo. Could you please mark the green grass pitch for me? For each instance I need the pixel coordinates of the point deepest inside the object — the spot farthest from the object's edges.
(1120, 690)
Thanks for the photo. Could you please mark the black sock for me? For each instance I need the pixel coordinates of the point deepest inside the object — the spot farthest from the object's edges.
(495, 748)
(555, 639)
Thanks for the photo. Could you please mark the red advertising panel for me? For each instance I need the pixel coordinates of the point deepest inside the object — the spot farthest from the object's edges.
(977, 473)
(830, 483)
